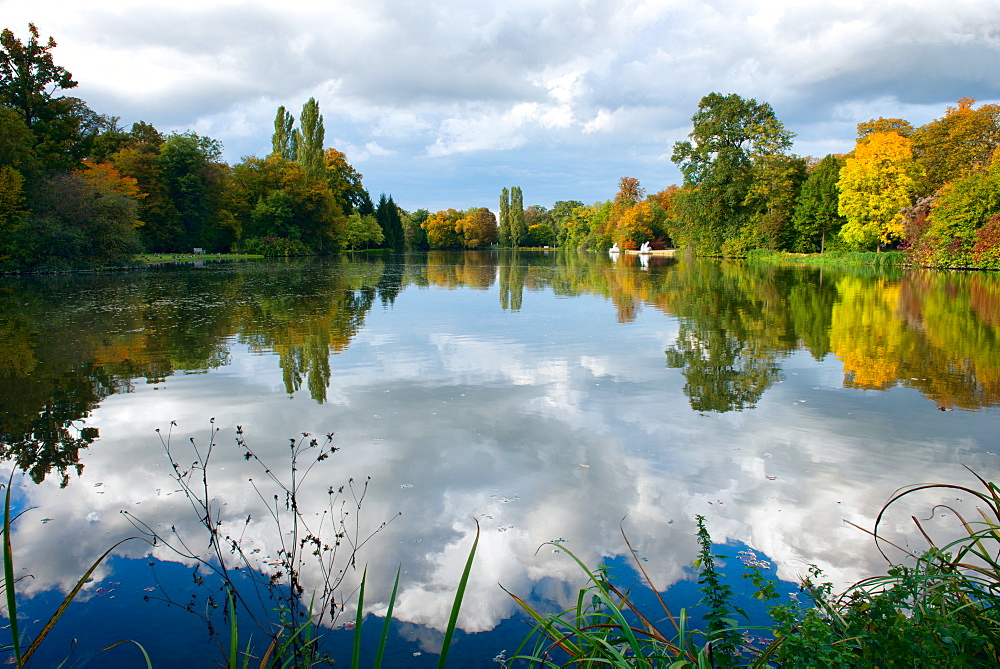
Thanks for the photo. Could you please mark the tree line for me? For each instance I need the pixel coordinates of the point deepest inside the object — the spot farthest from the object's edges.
(932, 191)
(77, 189)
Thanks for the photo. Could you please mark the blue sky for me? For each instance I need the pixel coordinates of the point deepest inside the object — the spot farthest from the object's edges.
(442, 103)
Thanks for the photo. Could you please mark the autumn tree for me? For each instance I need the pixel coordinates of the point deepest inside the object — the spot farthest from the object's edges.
(478, 228)
(629, 191)
(962, 140)
(441, 229)
(345, 184)
(666, 200)
(633, 225)
(278, 199)
(875, 184)
(728, 134)
(896, 125)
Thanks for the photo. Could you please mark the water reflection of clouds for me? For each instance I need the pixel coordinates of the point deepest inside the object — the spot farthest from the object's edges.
(537, 444)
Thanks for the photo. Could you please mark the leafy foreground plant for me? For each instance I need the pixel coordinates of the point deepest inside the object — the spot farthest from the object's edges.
(943, 610)
(328, 546)
(606, 627)
(296, 637)
(22, 648)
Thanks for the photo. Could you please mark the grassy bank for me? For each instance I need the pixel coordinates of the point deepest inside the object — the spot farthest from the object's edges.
(883, 259)
(155, 258)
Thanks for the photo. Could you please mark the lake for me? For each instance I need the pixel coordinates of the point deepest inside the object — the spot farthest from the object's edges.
(547, 396)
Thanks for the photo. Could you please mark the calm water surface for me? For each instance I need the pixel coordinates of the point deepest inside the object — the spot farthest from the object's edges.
(546, 396)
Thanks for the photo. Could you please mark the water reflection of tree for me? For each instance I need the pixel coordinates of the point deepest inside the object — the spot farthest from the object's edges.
(69, 342)
(41, 430)
(936, 332)
(734, 327)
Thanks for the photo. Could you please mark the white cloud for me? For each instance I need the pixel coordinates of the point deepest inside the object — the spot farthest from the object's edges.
(529, 86)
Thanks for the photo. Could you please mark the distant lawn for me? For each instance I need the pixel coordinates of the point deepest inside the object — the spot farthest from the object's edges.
(152, 258)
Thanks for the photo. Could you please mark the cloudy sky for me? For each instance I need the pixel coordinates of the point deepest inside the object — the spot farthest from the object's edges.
(441, 103)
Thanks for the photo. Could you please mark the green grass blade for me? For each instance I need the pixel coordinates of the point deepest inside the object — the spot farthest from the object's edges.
(233, 632)
(356, 651)
(388, 621)
(459, 595)
(68, 599)
(145, 655)
(8, 577)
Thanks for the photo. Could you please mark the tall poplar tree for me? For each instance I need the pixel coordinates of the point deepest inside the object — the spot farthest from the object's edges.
(284, 140)
(518, 226)
(504, 217)
(309, 152)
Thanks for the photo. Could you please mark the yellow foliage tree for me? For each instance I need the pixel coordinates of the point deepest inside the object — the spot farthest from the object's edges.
(875, 184)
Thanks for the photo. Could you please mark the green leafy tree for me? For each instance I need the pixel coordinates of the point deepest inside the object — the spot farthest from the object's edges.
(774, 188)
(81, 219)
(963, 207)
(64, 128)
(139, 158)
(12, 211)
(363, 232)
(541, 227)
(29, 77)
(416, 235)
(562, 213)
(816, 218)
(728, 135)
(195, 181)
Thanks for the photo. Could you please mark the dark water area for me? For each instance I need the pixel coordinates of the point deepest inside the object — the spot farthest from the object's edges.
(546, 396)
